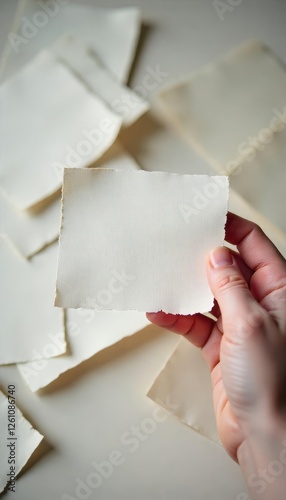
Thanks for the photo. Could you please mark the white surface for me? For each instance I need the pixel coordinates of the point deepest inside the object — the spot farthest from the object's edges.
(147, 246)
(84, 419)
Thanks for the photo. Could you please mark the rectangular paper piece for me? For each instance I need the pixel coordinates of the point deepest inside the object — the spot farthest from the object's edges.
(232, 108)
(184, 389)
(55, 122)
(88, 332)
(30, 326)
(87, 66)
(139, 240)
(20, 449)
(112, 33)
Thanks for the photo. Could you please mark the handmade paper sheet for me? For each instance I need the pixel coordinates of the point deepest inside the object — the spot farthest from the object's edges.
(87, 66)
(30, 325)
(49, 120)
(139, 240)
(232, 108)
(262, 182)
(88, 332)
(30, 231)
(19, 449)
(183, 387)
(112, 33)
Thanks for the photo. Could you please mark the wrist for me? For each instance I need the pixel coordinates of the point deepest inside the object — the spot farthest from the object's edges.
(262, 457)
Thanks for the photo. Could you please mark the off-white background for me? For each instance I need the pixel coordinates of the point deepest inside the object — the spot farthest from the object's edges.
(84, 415)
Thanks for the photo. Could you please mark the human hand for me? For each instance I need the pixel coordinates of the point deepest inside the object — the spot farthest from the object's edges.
(244, 346)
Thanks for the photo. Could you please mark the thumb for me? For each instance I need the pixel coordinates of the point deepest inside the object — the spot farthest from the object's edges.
(238, 307)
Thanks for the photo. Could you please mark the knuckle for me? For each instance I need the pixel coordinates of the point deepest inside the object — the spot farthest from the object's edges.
(232, 281)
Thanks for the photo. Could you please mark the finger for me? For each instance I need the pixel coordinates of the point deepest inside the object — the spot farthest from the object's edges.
(198, 329)
(268, 284)
(238, 307)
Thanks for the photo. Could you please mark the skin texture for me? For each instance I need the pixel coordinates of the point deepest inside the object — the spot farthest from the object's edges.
(244, 345)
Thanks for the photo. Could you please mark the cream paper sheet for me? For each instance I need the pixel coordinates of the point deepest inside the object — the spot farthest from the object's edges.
(183, 387)
(30, 231)
(262, 182)
(87, 66)
(88, 332)
(112, 33)
(138, 240)
(28, 439)
(29, 322)
(232, 107)
(54, 122)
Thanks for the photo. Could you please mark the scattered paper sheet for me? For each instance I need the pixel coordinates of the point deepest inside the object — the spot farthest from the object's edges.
(240, 206)
(30, 231)
(30, 325)
(87, 66)
(183, 387)
(262, 182)
(231, 108)
(112, 33)
(88, 332)
(14, 452)
(139, 240)
(54, 122)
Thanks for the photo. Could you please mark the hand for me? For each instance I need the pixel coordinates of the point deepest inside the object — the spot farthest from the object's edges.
(244, 346)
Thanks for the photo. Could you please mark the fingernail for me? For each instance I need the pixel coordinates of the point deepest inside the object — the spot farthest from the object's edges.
(221, 256)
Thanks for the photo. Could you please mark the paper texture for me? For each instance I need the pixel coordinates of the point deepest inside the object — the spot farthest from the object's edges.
(30, 231)
(138, 240)
(83, 130)
(183, 387)
(112, 33)
(231, 108)
(88, 332)
(28, 439)
(87, 66)
(30, 325)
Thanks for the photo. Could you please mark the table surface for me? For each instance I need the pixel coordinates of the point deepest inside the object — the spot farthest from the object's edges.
(86, 413)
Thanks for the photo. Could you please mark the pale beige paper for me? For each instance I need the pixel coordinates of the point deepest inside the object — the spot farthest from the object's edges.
(29, 322)
(138, 240)
(87, 66)
(262, 182)
(30, 231)
(225, 104)
(88, 332)
(112, 33)
(183, 387)
(28, 439)
(48, 120)
(241, 207)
